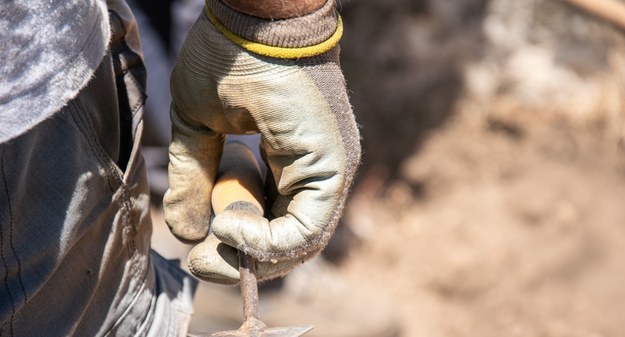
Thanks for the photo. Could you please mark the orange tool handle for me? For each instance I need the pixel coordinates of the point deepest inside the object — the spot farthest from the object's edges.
(238, 179)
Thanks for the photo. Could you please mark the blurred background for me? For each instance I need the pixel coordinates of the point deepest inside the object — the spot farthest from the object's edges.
(490, 197)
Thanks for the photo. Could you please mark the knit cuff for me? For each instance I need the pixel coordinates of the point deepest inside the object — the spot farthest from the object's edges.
(308, 30)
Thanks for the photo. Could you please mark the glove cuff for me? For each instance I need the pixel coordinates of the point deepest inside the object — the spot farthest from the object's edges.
(304, 36)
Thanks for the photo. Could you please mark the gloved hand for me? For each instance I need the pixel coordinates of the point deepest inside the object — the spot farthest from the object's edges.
(280, 78)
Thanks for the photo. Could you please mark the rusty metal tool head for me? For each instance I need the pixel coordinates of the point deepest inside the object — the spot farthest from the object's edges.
(253, 326)
(242, 188)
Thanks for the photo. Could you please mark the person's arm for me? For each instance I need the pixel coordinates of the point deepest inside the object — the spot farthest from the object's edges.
(275, 9)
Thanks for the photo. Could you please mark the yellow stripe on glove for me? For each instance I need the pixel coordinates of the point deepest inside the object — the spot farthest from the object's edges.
(279, 52)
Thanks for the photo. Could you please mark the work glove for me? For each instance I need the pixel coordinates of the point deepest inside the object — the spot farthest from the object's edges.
(238, 74)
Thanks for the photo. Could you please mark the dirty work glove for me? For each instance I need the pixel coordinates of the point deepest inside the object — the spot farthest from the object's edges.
(238, 74)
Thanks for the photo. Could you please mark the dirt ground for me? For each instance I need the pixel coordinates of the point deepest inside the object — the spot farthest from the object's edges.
(500, 229)
(490, 202)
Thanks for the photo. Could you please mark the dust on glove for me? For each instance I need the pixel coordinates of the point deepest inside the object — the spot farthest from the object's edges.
(309, 138)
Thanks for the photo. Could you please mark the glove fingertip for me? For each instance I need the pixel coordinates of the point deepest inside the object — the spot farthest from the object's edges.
(184, 220)
(214, 262)
(189, 230)
(187, 236)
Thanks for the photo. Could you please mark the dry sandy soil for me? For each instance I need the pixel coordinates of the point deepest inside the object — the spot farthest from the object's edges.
(491, 199)
(501, 228)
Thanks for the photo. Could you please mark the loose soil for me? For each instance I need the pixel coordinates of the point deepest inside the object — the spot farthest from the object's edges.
(499, 228)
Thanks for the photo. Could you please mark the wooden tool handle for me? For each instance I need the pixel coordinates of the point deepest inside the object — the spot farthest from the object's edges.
(239, 182)
(238, 179)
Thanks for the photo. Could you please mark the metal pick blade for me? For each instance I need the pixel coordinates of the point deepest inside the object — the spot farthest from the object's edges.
(292, 331)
